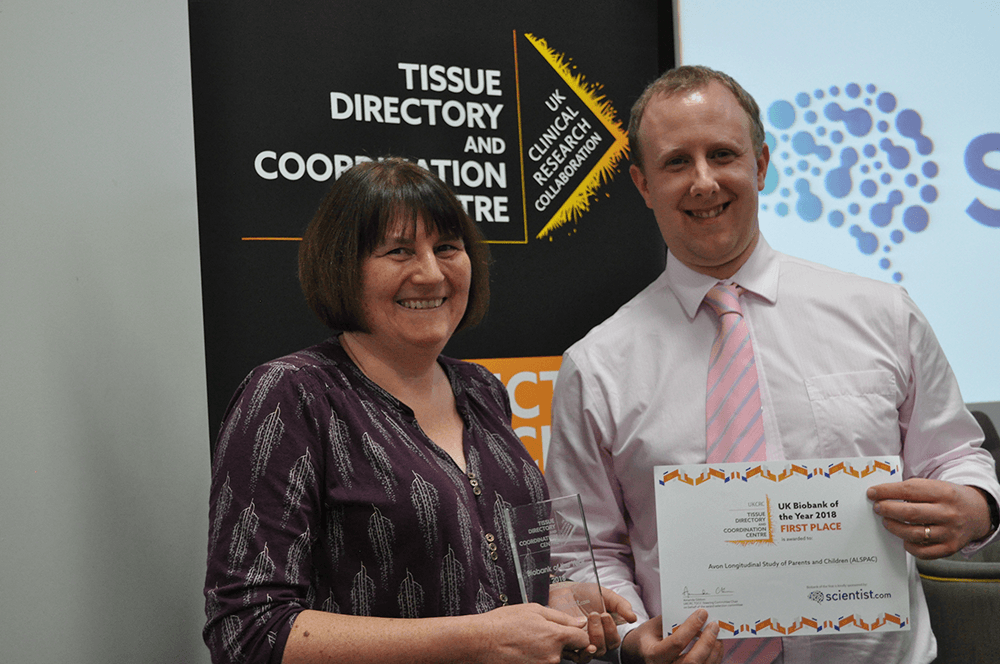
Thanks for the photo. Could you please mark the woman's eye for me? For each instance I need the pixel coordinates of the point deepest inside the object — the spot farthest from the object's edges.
(395, 252)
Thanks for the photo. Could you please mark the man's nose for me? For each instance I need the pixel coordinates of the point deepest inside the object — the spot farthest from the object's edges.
(705, 182)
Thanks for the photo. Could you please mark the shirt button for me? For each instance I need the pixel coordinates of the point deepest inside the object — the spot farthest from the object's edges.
(477, 491)
(503, 598)
(490, 537)
(493, 555)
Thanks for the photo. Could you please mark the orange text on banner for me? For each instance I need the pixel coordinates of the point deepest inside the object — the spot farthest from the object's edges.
(529, 381)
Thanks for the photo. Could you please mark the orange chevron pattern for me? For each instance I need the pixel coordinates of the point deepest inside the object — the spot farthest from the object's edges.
(771, 627)
(759, 473)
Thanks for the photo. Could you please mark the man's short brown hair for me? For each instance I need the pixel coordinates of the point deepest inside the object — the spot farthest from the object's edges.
(685, 79)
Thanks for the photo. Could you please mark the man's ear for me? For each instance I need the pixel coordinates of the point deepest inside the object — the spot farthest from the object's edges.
(762, 161)
(639, 178)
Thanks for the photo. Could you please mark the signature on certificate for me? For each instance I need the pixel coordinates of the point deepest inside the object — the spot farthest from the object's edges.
(719, 591)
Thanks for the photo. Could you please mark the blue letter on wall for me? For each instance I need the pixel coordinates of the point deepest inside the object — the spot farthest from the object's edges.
(984, 175)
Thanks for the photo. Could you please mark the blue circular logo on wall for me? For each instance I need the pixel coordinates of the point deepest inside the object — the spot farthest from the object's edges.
(852, 158)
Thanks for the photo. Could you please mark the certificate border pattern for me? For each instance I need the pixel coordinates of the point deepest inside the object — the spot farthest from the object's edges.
(769, 626)
(859, 624)
(794, 470)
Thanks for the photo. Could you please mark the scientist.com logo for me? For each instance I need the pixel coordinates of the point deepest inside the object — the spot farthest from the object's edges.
(841, 596)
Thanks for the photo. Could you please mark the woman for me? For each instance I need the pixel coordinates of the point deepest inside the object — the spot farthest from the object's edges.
(363, 480)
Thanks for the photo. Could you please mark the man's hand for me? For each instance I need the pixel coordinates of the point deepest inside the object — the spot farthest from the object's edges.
(933, 518)
(647, 644)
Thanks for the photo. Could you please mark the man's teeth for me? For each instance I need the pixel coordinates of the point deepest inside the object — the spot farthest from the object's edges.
(422, 304)
(707, 214)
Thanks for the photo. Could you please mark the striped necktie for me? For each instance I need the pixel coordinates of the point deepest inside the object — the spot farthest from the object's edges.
(734, 423)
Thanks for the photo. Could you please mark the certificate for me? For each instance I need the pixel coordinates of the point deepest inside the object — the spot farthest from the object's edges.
(782, 548)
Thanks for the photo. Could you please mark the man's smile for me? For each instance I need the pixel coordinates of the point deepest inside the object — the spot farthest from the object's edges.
(708, 213)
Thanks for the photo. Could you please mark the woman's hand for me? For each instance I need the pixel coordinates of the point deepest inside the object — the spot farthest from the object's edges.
(575, 599)
(530, 633)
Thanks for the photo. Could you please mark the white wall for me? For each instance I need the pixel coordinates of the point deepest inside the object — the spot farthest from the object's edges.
(103, 424)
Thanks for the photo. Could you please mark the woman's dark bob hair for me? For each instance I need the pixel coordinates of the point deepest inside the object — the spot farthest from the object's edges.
(358, 211)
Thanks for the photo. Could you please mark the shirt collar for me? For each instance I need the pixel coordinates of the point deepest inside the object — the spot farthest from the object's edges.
(759, 275)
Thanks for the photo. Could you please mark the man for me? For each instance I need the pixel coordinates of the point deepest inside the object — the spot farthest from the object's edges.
(845, 366)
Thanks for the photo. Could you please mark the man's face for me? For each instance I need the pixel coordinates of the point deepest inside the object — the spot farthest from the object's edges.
(701, 177)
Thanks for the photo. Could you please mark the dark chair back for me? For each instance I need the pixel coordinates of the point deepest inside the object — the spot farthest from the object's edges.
(963, 594)
(992, 441)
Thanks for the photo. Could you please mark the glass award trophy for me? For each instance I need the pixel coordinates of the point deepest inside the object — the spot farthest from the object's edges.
(555, 564)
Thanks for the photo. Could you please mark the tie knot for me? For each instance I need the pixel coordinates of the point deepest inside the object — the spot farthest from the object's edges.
(724, 299)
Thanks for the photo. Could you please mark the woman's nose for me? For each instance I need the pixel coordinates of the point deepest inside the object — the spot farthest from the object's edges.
(427, 269)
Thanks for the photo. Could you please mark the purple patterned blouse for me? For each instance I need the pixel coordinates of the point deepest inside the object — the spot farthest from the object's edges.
(327, 495)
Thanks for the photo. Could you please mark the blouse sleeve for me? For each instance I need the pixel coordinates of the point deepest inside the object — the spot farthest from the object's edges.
(265, 515)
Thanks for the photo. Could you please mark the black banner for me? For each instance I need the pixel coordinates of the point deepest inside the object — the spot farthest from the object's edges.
(520, 107)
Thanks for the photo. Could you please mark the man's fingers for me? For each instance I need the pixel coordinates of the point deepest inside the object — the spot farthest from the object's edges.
(932, 517)
(618, 605)
(673, 645)
(914, 490)
(689, 629)
(708, 648)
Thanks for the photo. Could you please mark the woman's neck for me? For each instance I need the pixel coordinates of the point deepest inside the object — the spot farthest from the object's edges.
(401, 374)
(418, 381)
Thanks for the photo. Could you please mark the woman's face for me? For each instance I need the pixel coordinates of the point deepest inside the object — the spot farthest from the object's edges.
(415, 287)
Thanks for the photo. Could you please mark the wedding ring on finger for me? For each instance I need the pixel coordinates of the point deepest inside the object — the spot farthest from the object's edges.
(927, 535)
